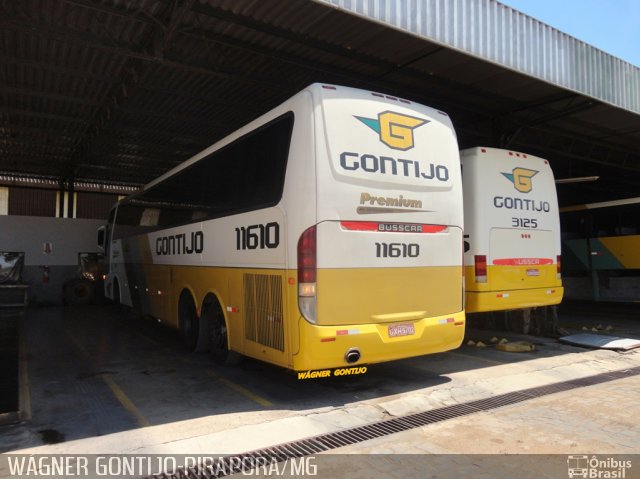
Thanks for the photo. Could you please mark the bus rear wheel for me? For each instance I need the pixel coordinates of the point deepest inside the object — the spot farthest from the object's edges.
(219, 338)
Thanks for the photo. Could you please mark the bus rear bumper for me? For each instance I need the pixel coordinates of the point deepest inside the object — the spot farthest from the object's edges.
(478, 302)
(326, 347)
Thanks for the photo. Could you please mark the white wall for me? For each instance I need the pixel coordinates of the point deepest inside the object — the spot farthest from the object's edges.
(68, 237)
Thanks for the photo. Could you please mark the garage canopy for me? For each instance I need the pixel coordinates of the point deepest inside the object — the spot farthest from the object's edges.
(120, 91)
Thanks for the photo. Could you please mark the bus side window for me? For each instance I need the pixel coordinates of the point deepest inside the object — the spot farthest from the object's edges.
(128, 221)
(245, 175)
(150, 217)
(173, 215)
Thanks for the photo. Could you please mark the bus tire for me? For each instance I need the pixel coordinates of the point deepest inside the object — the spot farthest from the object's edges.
(219, 338)
(194, 332)
(118, 308)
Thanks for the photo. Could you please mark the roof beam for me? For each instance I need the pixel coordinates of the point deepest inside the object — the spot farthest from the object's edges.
(49, 95)
(555, 141)
(163, 136)
(203, 67)
(43, 65)
(384, 66)
(32, 145)
(160, 160)
(122, 49)
(46, 116)
(199, 122)
(136, 15)
(136, 72)
(333, 74)
(152, 148)
(142, 171)
(52, 132)
(212, 100)
(300, 39)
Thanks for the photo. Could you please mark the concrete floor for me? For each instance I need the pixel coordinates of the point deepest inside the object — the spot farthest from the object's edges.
(102, 381)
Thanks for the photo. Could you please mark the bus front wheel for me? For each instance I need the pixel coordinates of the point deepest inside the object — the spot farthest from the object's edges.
(116, 292)
(193, 329)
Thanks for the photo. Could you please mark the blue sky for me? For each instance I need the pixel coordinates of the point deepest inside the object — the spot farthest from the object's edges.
(610, 25)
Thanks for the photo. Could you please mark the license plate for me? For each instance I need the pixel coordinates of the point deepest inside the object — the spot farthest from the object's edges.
(396, 330)
(533, 272)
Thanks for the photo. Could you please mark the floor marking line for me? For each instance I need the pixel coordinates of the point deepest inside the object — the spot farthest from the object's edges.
(124, 400)
(230, 384)
(117, 391)
(240, 389)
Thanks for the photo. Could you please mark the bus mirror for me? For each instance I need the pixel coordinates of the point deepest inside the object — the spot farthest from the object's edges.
(101, 236)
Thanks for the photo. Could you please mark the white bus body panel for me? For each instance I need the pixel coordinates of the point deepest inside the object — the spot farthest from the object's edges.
(416, 183)
(511, 218)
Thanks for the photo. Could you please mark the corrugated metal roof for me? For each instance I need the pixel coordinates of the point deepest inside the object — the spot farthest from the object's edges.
(497, 33)
(123, 90)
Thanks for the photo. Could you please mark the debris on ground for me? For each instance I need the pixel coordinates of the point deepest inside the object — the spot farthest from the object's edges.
(597, 328)
(516, 347)
(503, 344)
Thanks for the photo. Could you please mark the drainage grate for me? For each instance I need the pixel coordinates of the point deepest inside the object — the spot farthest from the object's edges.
(326, 442)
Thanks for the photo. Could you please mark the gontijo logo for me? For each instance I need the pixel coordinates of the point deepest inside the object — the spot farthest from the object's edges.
(521, 179)
(395, 129)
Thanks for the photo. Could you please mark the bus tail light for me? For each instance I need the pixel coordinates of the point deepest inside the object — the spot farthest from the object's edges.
(480, 267)
(559, 267)
(307, 274)
(464, 299)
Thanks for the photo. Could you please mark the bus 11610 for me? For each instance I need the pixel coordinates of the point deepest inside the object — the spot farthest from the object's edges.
(326, 233)
(512, 231)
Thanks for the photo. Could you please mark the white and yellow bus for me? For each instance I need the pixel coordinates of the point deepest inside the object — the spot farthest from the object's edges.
(327, 233)
(512, 231)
